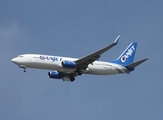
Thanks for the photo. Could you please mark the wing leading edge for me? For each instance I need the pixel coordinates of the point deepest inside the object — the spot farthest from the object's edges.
(83, 63)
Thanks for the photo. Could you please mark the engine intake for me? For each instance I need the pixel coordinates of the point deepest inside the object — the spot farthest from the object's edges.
(55, 75)
(68, 64)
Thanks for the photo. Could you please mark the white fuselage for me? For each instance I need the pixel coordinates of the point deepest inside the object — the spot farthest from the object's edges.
(54, 63)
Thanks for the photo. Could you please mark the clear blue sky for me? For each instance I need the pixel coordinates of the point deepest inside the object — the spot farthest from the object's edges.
(77, 28)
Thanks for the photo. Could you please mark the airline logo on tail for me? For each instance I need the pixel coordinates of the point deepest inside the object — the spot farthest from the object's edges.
(128, 54)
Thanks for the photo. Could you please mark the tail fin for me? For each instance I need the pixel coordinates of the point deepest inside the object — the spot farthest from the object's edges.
(127, 57)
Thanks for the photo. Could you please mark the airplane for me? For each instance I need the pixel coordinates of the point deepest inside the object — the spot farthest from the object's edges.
(67, 68)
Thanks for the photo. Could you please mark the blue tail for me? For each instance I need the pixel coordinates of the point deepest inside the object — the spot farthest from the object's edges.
(127, 57)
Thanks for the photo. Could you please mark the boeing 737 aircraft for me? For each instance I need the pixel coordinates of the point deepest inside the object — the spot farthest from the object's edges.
(67, 69)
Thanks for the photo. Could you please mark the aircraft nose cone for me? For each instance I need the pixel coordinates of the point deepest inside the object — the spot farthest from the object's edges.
(14, 60)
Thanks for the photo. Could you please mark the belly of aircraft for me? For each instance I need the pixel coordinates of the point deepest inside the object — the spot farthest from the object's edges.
(101, 71)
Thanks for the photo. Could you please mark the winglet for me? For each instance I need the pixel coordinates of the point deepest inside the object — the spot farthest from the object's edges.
(116, 40)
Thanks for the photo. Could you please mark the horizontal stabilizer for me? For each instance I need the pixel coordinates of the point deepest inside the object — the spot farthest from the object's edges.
(135, 64)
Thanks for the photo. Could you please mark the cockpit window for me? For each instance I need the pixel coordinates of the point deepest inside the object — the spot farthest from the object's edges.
(21, 56)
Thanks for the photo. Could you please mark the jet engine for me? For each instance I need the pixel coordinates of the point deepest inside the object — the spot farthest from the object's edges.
(58, 75)
(55, 75)
(68, 64)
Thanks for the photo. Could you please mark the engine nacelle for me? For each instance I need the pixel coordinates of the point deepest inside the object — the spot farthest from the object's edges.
(68, 64)
(55, 75)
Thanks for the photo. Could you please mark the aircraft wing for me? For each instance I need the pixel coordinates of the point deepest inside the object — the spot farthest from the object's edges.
(82, 63)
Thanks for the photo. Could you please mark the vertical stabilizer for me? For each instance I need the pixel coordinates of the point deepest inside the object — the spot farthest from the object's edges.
(127, 57)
